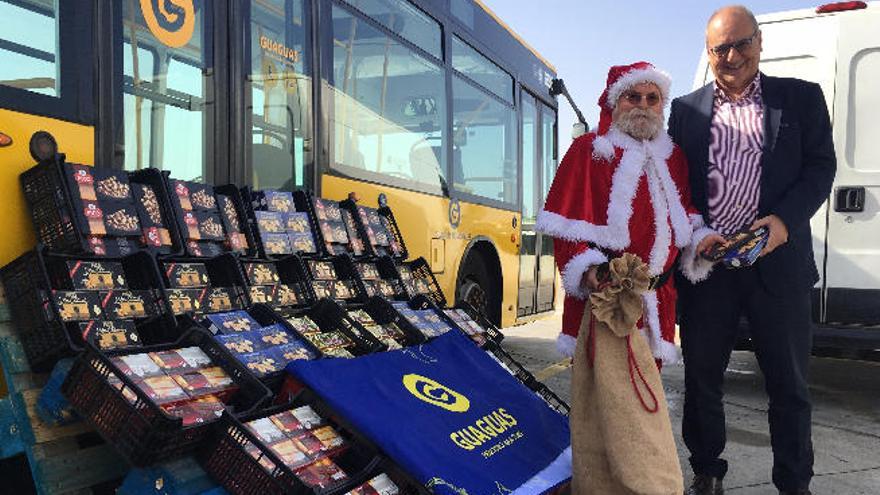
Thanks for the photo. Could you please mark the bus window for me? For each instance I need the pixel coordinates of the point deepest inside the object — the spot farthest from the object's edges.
(484, 144)
(29, 46)
(406, 20)
(548, 124)
(280, 95)
(166, 59)
(530, 178)
(481, 70)
(387, 109)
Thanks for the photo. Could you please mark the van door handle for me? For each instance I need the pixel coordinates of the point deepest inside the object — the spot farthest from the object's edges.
(849, 199)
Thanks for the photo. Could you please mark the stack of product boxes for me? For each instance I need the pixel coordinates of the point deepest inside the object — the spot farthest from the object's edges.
(190, 290)
(265, 287)
(262, 349)
(184, 382)
(209, 223)
(95, 295)
(303, 442)
(331, 344)
(282, 230)
(105, 209)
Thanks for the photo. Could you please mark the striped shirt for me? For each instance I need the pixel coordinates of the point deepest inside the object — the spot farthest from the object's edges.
(737, 138)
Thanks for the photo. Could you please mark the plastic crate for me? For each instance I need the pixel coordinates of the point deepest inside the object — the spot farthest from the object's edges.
(154, 178)
(54, 216)
(291, 273)
(553, 400)
(342, 268)
(242, 205)
(369, 287)
(223, 272)
(140, 430)
(330, 316)
(491, 330)
(305, 201)
(384, 313)
(254, 204)
(208, 248)
(46, 338)
(49, 201)
(361, 215)
(518, 370)
(420, 270)
(227, 460)
(265, 316)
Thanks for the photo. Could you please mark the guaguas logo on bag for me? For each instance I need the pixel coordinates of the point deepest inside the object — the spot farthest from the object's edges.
(434, 393)
(175, 22)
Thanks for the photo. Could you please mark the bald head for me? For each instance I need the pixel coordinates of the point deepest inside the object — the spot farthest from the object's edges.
(733, 42)
(731, 14)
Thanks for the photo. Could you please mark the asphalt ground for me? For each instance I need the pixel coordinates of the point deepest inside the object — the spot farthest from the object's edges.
(846, 414)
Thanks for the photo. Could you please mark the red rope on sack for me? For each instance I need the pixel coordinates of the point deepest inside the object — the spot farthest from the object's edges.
(634, 365)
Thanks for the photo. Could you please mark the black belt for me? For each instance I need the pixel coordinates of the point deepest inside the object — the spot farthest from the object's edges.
(660, 280)
(654, 283)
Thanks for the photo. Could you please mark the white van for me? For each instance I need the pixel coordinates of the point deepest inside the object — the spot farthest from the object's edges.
(838, 46)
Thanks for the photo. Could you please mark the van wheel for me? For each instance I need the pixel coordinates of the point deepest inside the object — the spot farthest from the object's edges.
(475, 288)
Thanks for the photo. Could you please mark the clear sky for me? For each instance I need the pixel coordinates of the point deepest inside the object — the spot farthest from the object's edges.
(583, 38)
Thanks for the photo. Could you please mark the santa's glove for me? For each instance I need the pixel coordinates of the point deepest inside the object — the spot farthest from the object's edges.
(566, 345)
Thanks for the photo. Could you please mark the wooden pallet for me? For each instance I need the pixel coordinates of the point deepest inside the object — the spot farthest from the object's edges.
(68, 459)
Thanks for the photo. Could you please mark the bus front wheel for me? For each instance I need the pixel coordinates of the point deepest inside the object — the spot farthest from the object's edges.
(475, 288)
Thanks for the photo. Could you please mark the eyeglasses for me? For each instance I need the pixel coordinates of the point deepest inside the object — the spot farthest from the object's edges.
(635, 98)
(741, 45)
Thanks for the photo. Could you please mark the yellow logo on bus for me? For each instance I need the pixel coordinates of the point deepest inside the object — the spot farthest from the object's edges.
(178, 20)
(436, 394)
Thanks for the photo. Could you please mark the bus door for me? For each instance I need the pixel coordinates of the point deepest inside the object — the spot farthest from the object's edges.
(277, 93)
(45, 84)
(537, 272)
(167, 88)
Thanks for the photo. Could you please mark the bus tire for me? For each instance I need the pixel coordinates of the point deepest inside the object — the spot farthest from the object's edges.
(476, 288)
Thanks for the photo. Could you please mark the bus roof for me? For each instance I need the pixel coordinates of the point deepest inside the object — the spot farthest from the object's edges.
(515, 35)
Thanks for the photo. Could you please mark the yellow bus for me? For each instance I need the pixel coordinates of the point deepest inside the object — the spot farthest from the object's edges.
(434, 104)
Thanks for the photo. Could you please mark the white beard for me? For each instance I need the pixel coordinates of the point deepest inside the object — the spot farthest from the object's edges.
(643, 129)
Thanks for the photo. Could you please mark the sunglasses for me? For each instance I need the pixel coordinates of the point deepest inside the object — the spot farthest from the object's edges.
(635, 98)
(723, 49)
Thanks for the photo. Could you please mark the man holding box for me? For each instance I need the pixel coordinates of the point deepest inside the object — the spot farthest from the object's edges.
(760, 154)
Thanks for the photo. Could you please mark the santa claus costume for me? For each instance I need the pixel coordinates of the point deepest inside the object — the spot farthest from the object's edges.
(615, 194)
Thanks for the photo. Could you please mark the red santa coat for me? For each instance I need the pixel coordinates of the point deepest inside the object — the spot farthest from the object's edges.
(623, 195)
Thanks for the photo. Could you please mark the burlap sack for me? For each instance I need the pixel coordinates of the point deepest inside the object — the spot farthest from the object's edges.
(618, 446)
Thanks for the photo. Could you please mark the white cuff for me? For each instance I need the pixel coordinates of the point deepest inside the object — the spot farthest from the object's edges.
(566, 345)
(575, 269)
(694, 267)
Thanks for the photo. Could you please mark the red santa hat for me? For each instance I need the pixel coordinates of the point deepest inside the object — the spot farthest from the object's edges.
(624, 77)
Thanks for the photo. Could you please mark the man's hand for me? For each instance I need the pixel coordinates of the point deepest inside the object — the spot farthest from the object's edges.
(708, 242)
(590, 281)
(778, 232)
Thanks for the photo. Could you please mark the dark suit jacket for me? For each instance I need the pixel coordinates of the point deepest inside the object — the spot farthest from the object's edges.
(797, 167)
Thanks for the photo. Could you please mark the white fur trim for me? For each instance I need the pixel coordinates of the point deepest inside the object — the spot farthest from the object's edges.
(678, 217)
(694, 267)
(614, 235)
(603, 148)
(667, 352)
(696, 221)
(575, 269)
(630, 79)
(566, 345)
(662, 236)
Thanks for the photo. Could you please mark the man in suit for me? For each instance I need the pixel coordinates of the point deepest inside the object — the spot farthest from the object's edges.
(760, 153)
